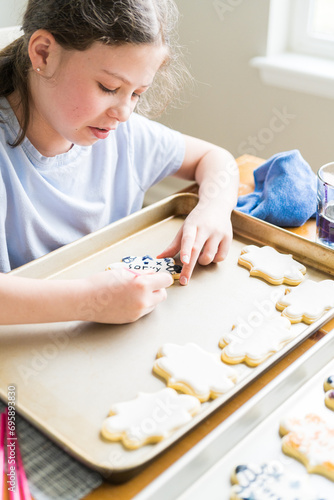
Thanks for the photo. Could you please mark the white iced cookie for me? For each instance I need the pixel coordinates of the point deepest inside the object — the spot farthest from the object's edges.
(308, 302)
(148, 263)
(192, 370)
(149, 418)
(310, 439)
(267, 263)
(269, 481)
(258, 344)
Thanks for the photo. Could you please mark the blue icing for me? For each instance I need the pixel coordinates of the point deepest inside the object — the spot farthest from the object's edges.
(240, 468)
(129, 259)
(147, 257)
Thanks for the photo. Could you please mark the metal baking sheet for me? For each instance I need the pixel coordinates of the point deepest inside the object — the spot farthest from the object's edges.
(69, 374)
(251, 434)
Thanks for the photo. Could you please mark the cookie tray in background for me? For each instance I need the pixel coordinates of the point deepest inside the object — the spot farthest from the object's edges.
(251, 434)
(68, 375)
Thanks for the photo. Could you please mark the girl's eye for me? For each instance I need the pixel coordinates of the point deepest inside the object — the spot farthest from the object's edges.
(107, 91)
(113, 91)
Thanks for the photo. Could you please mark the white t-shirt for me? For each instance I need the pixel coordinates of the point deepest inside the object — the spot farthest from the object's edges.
(48, 202)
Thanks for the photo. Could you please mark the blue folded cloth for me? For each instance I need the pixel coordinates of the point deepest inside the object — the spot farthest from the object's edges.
(285, 191)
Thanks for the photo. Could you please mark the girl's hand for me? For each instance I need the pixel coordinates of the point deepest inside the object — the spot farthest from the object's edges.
(206, 234)
(119, 296)
(205, 237)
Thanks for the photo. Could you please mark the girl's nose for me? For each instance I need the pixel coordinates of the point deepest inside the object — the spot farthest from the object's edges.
(121, 110)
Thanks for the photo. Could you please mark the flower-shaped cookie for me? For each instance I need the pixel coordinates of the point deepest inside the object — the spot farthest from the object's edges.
(311, 440)
(271, 265)
(269, 481)
(308, 302)
(149, 418)
(193, 370)
(148, 263)
(258, 344)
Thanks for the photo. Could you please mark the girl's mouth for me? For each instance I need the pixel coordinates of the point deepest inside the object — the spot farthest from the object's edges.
(100, 133)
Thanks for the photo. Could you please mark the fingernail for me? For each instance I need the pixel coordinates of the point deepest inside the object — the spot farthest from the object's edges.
(183, 280)
(185, 259)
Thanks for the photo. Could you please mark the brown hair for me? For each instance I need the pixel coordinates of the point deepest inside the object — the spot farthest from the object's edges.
(77, 24)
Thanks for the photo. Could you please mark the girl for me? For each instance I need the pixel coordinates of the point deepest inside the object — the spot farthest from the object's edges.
(74, 157)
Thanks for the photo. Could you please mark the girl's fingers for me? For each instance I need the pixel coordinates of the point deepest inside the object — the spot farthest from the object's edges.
(188, 243)
(159, 296)
(156, 281)
(224, 247)
(194, 252)
(196, 245)
(210, 251)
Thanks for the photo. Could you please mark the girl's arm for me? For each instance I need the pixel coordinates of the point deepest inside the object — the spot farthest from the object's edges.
(109, 297)
(206, 234)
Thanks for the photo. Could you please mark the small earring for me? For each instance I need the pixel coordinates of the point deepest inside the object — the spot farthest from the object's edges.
(38, 69)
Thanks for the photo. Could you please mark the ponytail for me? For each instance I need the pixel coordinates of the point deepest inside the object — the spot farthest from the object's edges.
(14, 67)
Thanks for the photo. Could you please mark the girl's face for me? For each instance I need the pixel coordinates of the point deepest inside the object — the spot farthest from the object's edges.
(88, 93)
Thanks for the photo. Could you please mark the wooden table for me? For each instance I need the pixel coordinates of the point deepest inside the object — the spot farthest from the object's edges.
(128, 490)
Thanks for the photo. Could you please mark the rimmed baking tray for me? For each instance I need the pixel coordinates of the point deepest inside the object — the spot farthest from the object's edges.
(69, 374)
(251, 434)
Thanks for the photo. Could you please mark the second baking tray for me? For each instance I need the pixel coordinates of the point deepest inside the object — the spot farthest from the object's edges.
(251, 434)
(69, 374)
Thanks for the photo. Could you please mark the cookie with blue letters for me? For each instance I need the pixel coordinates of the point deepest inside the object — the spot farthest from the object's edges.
(148, 263)
(269, 481)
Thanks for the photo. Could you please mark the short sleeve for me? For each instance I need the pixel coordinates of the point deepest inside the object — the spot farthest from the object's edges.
(156, 150)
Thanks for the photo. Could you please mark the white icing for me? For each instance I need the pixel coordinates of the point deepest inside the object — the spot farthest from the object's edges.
(147, 263)
(261, 341)
(270, 482)
(272, 264)
(313, 437)
(308, 301)
(203, 372)
(150, 416)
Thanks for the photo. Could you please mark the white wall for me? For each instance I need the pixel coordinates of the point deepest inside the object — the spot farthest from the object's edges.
(11, 12)
(232, 107)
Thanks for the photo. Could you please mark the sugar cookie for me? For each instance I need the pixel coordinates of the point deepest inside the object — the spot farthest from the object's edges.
(329, 399)
(269, 481)
(308, 301)
(271, 265)
(311, 440)
(260, 343)
(149, 418)
(329, 390)
(329, 383)
(148, 263)
(193, 370)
